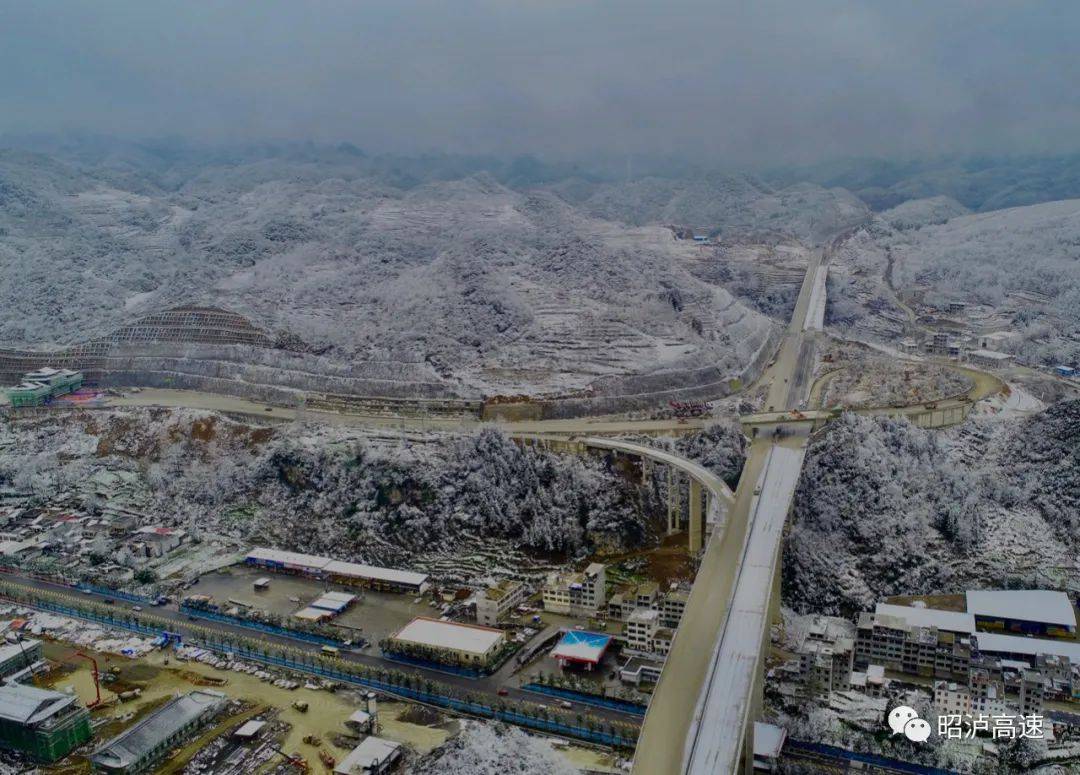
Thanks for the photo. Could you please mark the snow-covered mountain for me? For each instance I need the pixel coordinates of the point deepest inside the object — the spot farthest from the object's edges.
(464, 283)
(884, 508)
(729, 205)
(916, 213)
(1017, 268)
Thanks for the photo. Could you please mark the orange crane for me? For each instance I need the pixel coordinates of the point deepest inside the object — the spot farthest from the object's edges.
(97, 683)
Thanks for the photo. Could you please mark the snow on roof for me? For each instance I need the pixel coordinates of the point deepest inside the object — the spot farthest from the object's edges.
(991, 354)
(11, 650)
(995, 643)
(158, 530)
(249, 729)
(29, 705)
(372, 751)
(389, 575)
(1023, 605)
(312, 614)
(581, 646)
(333, 601)
(360, 717)
(768, 740)
(949, 621)
(157, 729)
(469, 638)
(288, 558)
(338, 567)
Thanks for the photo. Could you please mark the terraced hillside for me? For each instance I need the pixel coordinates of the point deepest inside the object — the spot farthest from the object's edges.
(267, 276)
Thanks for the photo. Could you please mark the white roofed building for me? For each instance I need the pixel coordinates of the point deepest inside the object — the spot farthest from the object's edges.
(338, 570)
(452, 643)
(1023, 611)
(373, 756)
(945, 621)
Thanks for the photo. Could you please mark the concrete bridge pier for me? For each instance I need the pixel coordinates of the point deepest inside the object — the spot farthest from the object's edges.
(695, 516)
(674, 501)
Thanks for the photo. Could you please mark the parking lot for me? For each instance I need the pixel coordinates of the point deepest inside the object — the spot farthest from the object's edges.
(376, 614)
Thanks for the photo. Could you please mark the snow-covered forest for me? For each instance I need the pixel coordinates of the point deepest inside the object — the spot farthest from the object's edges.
(1020, 267)
(884, 508)
(328, 491)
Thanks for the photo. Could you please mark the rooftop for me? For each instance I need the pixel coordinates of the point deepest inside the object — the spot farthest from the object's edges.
(30, 705)
(337, 567)
(581, 646)
(995, 643)
(389, 575)
(949, 621)
(991, 354)
(501, 590)
(470, 638)
(768, 740)
(11, 650)
(133, 744)
(249, 729)
(1025, 605)
(373, 750)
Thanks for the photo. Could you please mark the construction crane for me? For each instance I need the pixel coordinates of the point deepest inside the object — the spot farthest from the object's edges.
(97, 682)
(295, 760)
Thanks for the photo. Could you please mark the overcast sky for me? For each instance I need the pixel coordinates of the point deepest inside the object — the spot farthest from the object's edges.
(754, 80)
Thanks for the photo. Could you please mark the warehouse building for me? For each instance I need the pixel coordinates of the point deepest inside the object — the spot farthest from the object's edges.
(451, 643)
(140, 748)
(352, 573)
(1023, 611)
(42, 724)
(373, 756)
(15, 657)
(989, 359)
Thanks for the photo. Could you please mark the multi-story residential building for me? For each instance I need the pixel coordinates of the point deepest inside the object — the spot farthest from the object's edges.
(987, 695)
(897, 645)
(576, 594)
(647, 595)
(951, 699)
(1032, 693)
(672, 607)
(827, 665)
(495, 603)
(661, 641)
(620, 606)
(641, 628)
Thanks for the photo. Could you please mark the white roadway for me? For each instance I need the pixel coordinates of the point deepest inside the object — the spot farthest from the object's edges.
(722, 715)
(698, 714)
